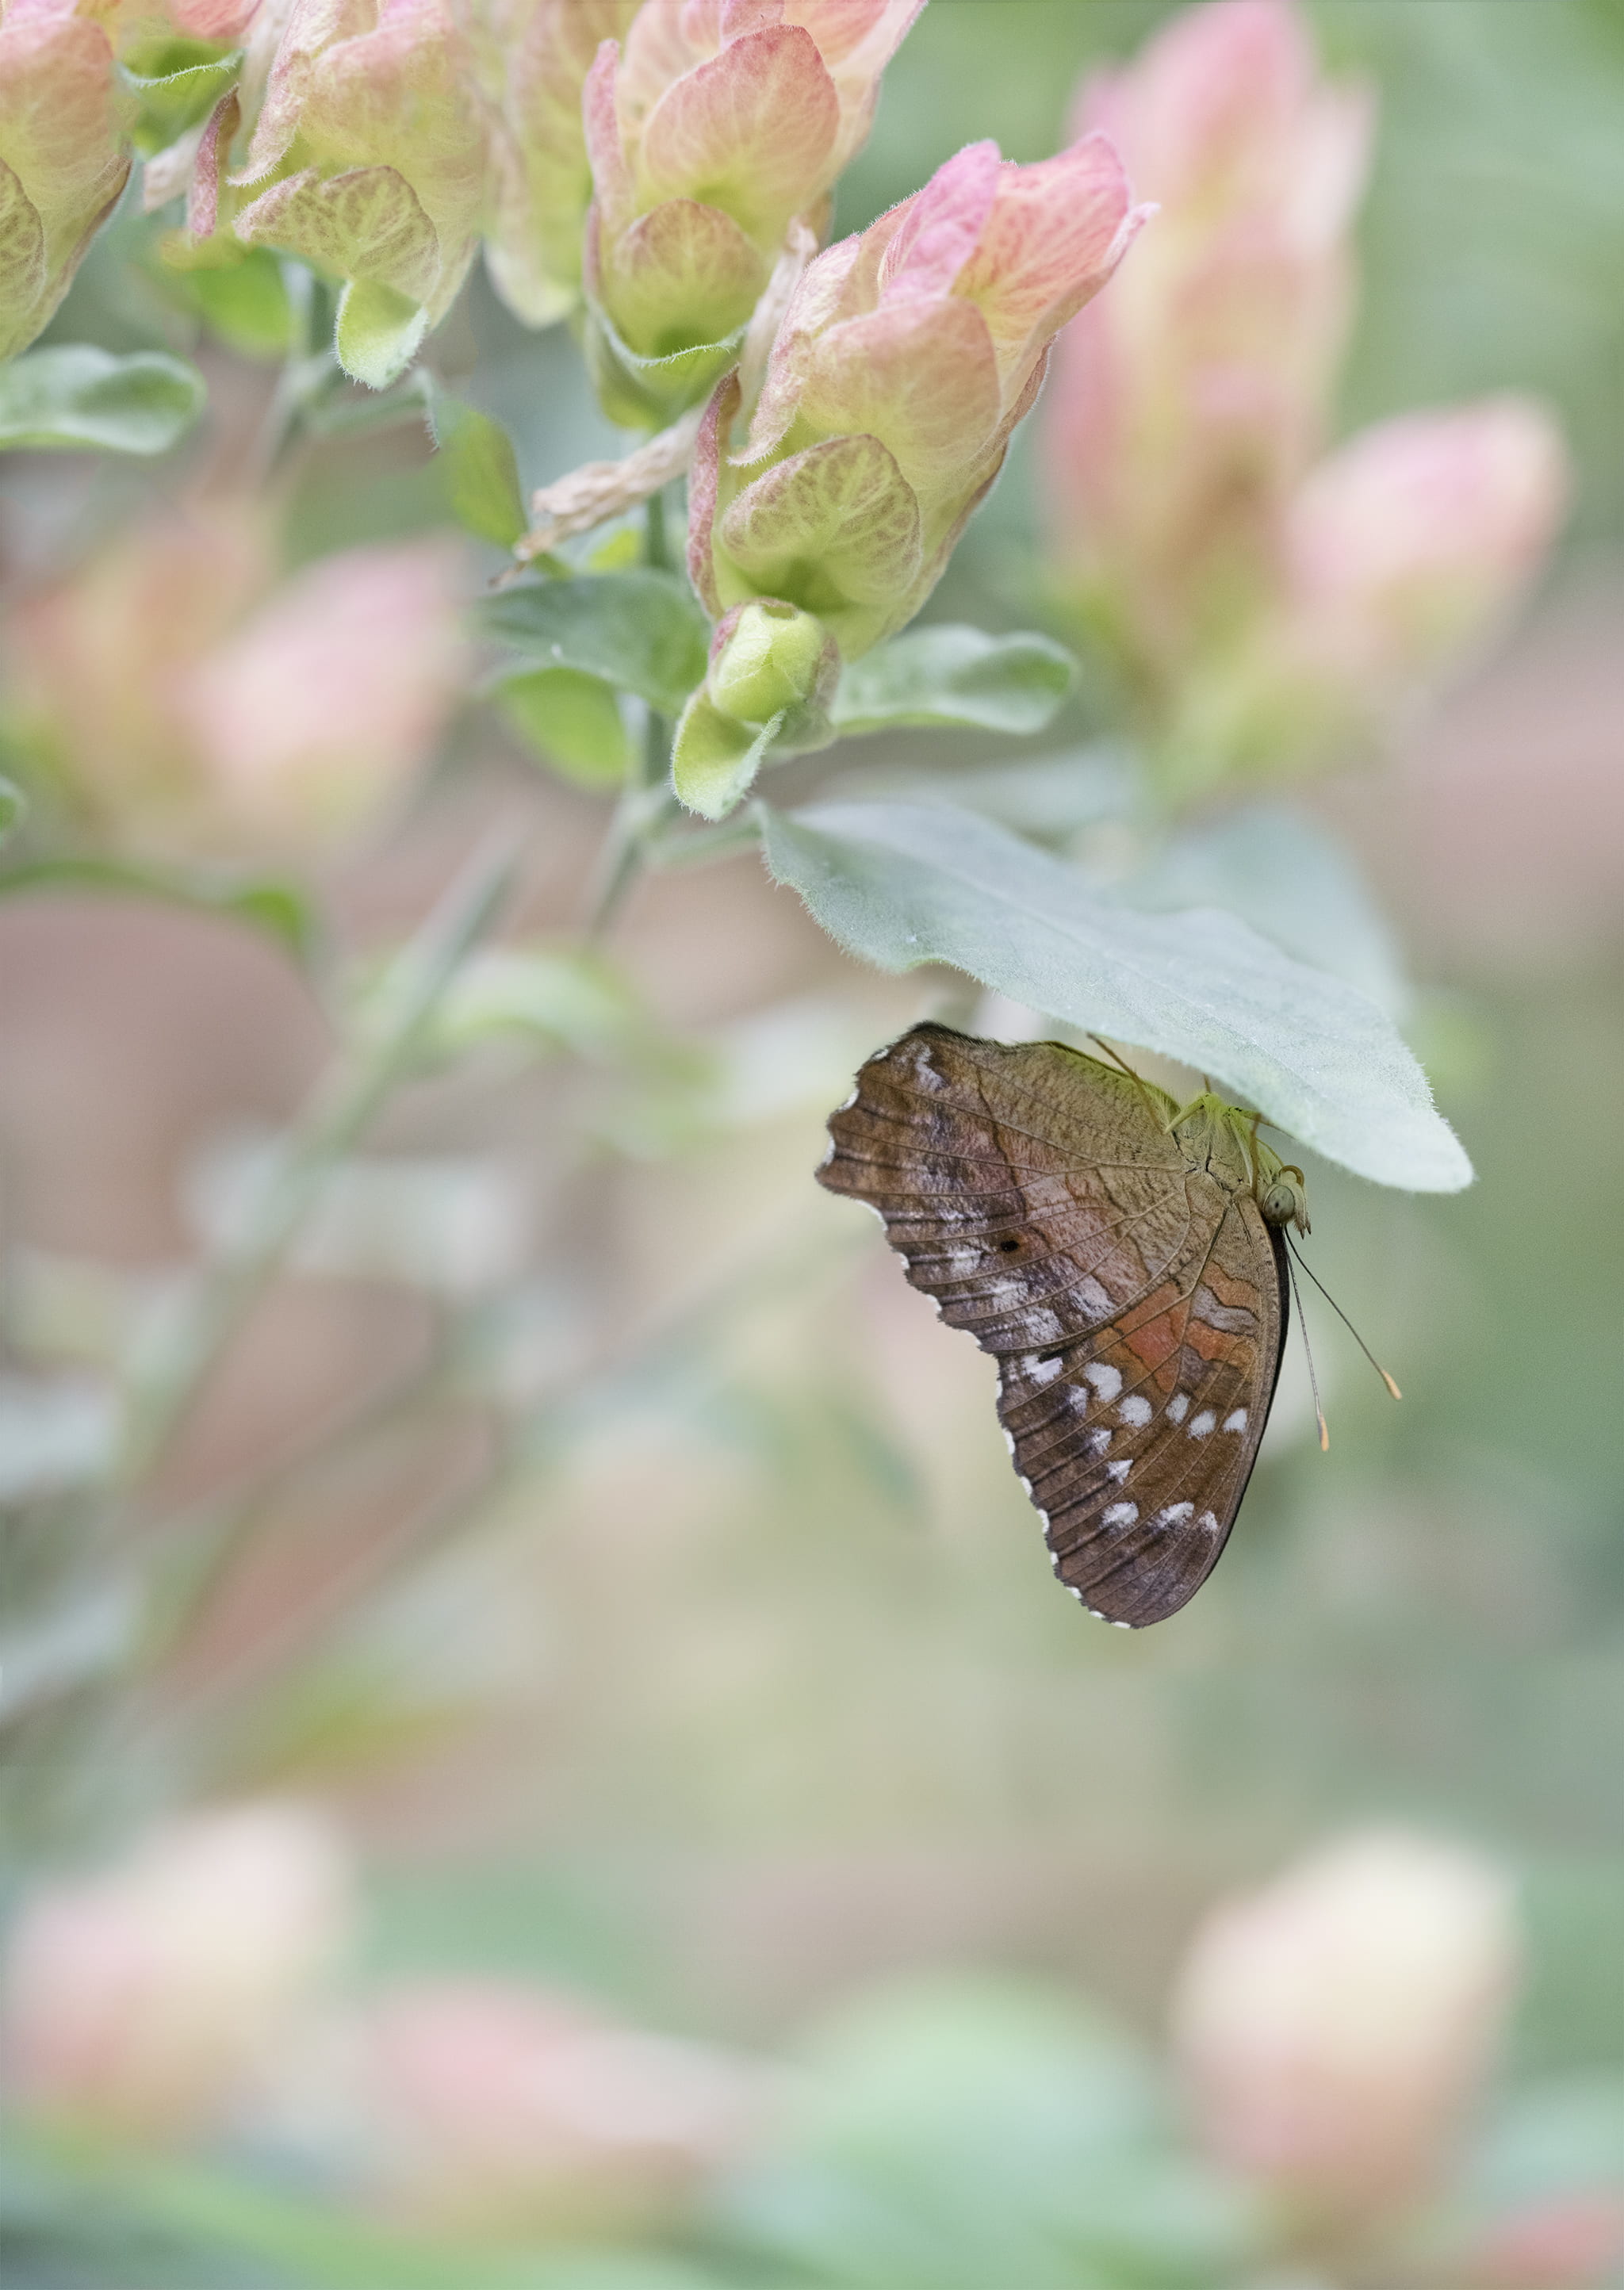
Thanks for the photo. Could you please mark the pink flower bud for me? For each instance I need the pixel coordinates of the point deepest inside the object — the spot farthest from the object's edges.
(533, 57)
(1334, 2026)
(903, 362)
(372, 127)
(143, 2002)
(1187, 402)
(720, 123)
(179, 701)
(1408, 544)
(494, 2108)
(62, 159)
(330, 696)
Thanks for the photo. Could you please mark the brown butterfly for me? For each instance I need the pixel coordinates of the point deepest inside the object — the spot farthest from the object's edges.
(1123, 1260)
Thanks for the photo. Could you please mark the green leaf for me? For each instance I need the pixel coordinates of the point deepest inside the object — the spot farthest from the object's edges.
(956, 676)
(641, 631)
(572, 721)
(644, 393)
(182, 88)
(478, 470)
(553, 999)
(239, 294)
(78, 396)
(13, 808)
(378, 331)
(899, 885)
(277, 908)
(714, 757)
(1289, 880)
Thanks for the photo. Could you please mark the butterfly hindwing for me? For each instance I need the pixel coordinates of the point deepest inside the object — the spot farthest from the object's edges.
(1134, 1303)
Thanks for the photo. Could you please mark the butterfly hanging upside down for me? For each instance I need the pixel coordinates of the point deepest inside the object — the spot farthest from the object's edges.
(1123, 1259)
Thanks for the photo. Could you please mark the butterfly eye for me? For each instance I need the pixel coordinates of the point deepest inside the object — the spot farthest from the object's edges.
(1282, 1204)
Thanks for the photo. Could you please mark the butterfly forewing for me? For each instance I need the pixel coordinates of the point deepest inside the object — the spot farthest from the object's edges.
(1134, 1301)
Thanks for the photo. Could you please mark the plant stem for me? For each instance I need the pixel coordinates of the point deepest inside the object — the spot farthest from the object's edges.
(343, 1107)
(644, 802)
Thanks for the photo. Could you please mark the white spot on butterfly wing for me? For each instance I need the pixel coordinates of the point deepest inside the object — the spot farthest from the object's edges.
(1105, 1379)
(1043, 1371)
(1235, 1420)
(1118, 1471)
(1177, 1407)
(1200, 1425)
(1120, 1514)
(1173, 1514)
(1135, 1408)
(1097, 1441)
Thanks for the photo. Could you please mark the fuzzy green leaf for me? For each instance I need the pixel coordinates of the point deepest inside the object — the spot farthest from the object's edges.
(378, 331)
(478, 471)
(76, 396)
(640, 631)
(899, 885)
(714, 757)
(572, 721)
(956, 676)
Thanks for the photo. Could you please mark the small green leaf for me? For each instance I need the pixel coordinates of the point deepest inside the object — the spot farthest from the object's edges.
(572, 721)
(899, 885)
(378, 331)
(644, 393)
(239, 294)
(478, 470)
(956, 676)
(641, 631)
(76, 396)
(714, 757)
(183, 86)
(278, 908)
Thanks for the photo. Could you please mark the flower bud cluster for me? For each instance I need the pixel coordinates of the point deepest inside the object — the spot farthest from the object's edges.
(904, 358)
(717, 126)
(63, 157)
(1263, 605)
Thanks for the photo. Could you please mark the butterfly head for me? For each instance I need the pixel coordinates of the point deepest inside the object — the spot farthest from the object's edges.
(1224, 1138)
(1283, 1198)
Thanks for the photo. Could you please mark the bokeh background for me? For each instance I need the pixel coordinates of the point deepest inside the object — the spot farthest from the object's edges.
(741, 1701)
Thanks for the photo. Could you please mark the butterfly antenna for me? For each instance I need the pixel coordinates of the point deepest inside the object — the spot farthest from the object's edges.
(1117, 1059)
(1302, 1322)
(1347, 1323)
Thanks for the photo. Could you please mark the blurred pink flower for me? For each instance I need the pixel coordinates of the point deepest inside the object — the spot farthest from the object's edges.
(180, 701)
(1334, 2026)
(143, 2002)
(1189, 401)
(532, 57)
(62, 158)
(903, 362)
(372, 131)
(1411, 542)
(332, 693)
(1568, 2243)
(720, 123)
(1401, 554)
(495, 2107)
